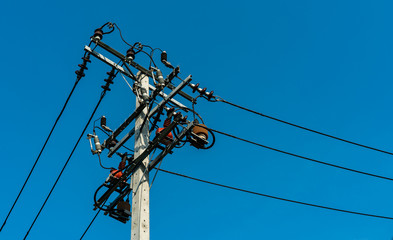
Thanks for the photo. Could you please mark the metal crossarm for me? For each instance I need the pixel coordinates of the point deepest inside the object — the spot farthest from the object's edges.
(151, 113)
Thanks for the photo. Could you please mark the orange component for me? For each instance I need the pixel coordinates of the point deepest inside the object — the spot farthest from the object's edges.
(169, 137)
(201, 131)
(165, 140)
(115, 173)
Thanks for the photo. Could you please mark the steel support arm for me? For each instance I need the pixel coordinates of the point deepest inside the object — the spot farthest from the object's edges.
(151, 113)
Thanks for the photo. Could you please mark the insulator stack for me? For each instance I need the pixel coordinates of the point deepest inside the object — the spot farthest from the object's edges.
(80, 73)
(109, 80)
(201, 91)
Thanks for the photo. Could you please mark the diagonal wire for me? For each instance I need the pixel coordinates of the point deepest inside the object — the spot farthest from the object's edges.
(92, 221)
(302, 157)
(305, 128)
(277, 198)
(65, 165)
(42, 149)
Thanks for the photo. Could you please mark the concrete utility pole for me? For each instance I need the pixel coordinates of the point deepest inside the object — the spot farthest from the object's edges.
(140, 219)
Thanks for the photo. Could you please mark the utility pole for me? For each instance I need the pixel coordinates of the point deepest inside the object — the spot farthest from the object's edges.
(140, 219)
(176, 131)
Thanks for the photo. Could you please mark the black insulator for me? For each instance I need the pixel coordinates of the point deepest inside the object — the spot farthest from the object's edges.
(80, 73)
(164, 56)
(109, 80)
(170, 111)
(82, 66)
(210, 94)
(194, 87)
(86, 59)
(103, 121)
(130, 54)
(202, 91)
(98, 34)
(105, 87)
(111, 73)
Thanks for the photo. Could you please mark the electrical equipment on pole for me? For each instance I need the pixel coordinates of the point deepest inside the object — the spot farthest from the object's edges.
(113, 196)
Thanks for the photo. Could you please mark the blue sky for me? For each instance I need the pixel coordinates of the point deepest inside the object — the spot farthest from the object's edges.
(322, 64)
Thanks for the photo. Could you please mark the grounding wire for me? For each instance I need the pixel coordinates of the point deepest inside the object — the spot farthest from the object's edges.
(65, 165)
(302, 157)
(278, 198)
(43, 147)
(218, 99)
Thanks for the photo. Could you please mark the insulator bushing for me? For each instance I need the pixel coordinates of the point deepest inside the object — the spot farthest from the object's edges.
(82, 66)
(201, 131)
(98, 34)
(209, 94)
(105, 87)
(80, 73)
(164, 56)
(86, 59)
(170, 111)
(194, 87)
(111, 73)
(202, 91)
(130, 54)
(103, 121)
(108, 80)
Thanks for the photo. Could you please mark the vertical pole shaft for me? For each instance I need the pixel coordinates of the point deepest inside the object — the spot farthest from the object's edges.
(140, 220)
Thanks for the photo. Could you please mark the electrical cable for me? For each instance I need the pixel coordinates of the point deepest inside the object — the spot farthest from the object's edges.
(43, 147)
(302, 157)
(277, 198)
(65, 165)
(99, 160)
(91, 222)
(304, 128)
(133, 46)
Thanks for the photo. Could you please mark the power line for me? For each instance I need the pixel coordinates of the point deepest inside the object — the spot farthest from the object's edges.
(80, 75)
(91, 222)
(304, 128)
(65, 165)
(277, 198)
(302, 157)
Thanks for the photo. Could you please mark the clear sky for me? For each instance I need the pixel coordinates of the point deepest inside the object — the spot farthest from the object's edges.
(326, 65)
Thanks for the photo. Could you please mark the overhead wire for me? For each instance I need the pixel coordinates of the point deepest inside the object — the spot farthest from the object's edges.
(218, 99)
(43, 147)
(302, 157)
(277, 198)
(66, 163)
(92, 221)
